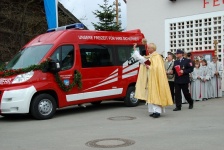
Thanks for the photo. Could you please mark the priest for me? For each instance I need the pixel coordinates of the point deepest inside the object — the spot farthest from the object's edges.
(152, 84)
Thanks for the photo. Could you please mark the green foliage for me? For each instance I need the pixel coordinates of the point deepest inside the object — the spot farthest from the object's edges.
(76, 81)
(10, 72)
(107, 18)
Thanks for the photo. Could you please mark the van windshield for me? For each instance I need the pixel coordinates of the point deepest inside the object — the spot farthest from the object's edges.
(28, 56)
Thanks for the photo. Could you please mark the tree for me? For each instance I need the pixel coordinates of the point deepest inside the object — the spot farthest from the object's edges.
(21, 21)
(106, 18)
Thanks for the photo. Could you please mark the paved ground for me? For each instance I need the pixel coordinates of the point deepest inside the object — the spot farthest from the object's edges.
(199, 129)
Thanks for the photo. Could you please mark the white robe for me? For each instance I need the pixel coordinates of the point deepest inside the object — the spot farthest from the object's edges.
(205, 75)
(196, 84)
(210, 83)
(216, 81)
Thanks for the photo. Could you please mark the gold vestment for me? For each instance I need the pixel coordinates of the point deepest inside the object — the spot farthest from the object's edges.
(152, 84)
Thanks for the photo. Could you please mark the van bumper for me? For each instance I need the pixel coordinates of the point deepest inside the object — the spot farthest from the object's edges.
(16, 101)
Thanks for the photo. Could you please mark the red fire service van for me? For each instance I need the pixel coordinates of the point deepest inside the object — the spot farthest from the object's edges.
(70, 66)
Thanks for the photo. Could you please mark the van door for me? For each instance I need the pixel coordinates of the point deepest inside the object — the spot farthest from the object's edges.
(65, 54)
(99, 72)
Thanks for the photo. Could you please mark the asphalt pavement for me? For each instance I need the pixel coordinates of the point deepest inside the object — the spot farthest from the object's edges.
(112, 125)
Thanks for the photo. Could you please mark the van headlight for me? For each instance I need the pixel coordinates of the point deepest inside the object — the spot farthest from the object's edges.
(23, 77)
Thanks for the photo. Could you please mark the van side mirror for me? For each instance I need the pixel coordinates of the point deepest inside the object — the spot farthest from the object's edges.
(52, 66)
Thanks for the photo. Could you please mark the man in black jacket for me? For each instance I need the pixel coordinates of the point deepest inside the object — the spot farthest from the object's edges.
(182, 79)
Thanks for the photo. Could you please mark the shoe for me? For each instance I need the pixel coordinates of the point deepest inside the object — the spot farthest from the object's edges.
(191, 106)
(177, 109)
(151, 115)
(156, 115)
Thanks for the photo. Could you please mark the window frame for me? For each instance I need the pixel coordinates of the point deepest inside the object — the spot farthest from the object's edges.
(110, 50)
(60, 49)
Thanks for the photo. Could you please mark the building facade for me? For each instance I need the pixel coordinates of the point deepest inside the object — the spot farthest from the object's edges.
(190, 25)
(183, 24)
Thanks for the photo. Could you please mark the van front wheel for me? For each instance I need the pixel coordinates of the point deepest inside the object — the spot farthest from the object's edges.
(130, 99)
(43, 106)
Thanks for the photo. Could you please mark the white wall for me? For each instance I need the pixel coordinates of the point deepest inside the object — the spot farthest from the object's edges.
(150, 15)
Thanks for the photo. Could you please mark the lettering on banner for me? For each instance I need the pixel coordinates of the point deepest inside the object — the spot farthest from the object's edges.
(110, 38)
(214, 3)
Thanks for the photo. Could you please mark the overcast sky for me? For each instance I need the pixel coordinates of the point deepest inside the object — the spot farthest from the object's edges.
(82, 9)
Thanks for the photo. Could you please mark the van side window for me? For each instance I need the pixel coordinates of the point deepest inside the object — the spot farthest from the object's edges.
(96, 55)
(124, 52)
(65, 55)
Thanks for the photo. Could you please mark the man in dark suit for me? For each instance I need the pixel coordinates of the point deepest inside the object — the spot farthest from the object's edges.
(182, 79)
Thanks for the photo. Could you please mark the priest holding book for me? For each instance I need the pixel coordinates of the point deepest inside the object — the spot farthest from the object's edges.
(152, 84)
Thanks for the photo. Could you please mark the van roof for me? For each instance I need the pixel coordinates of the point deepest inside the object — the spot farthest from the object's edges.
(88, 36)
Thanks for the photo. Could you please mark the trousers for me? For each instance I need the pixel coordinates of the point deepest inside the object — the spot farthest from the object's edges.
(171, 84)
(186, 93)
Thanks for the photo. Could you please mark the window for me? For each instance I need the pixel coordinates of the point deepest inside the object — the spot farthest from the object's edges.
(106, 55)
(65, 55)
(196, 32)
(96, 55)
(125, 51)
(28, 56)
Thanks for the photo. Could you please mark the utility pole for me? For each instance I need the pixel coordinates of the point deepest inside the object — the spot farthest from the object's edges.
(117, 12)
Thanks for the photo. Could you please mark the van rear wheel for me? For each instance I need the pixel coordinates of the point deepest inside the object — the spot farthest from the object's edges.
(130, 99)
(43, 106)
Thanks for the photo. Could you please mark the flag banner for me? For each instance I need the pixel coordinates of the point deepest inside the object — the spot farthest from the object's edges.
(51, 11)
